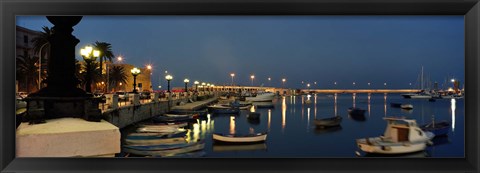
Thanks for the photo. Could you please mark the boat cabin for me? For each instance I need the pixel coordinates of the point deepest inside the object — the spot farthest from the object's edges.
(402, 130)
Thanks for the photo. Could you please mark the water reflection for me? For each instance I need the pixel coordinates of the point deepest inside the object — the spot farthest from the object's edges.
(244, 147)
(453, 106)
(368, 104)
(385, 104)
(308, 118)
(335, 104)
(354, 96)
(269, 118)
(232, 124)
(327, 130)
(196, 132)
(284, 113)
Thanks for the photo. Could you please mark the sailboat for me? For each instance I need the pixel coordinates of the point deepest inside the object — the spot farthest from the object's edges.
(423, 94)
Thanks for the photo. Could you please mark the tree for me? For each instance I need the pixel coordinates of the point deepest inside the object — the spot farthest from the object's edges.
(105, 52)
(27, 70)
(81, 73)
(41, 46)
(117, 75)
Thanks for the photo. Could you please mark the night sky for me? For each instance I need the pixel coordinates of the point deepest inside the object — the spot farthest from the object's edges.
(322, 49)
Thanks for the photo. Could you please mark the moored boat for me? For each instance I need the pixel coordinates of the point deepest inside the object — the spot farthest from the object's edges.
(401, 136)
(165, 119)
(177, 140)
(406, 106)
(439, 129)
(160, 129)
(261, 97)
(146, 136)
(168, 152)
(328, 122)
(250, 138)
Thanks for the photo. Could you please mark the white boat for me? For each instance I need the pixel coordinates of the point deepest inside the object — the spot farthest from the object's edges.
(421, 96)
(158, 141)
(401, 136)
(261, 97)
(250, 138)
(176, 125)
(406, 106)
(177, 115)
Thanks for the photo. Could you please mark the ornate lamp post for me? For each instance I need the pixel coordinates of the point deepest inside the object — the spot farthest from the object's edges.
(135, 72)
(196, 85)
(89, 55)
(208, 86)
(169, 78)
(186, 83)
(203, 86)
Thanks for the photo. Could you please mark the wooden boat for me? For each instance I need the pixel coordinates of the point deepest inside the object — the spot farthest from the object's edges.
(187, 155)
(406, 106)
(177, 140)
(200, 113)
(161, 129)
(263, 104)
(401, 136)
(250, 138)
(158, 147)
(177, 125)
(146, 136)
(328, 122)
(439, 129)
(396, 105)
(164, 119)
(357, 114)
(218, 109)
(178, 115)
(169, 152)
(356, 111)
(253, 115)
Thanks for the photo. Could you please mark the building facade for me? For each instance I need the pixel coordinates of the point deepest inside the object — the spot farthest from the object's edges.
(24, 48)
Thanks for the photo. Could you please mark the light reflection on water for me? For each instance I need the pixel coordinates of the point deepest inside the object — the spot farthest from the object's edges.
(340, 142)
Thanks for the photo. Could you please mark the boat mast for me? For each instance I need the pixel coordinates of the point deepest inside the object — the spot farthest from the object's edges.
(421, 79)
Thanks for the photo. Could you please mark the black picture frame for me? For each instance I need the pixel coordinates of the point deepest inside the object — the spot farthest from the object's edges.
(9, 9)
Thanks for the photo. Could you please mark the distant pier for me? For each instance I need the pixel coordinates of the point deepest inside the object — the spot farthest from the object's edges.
(361, 90)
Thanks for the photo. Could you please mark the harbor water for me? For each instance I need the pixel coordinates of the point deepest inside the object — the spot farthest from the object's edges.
(292, 133)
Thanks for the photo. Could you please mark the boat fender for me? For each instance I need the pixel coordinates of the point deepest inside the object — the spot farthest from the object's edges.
(386, 148)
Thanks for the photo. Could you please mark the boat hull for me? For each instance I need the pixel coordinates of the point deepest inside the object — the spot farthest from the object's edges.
(249, 139)
(401, 148)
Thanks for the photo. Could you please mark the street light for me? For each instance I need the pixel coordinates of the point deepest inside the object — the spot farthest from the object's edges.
(169, 78)
(135, 72)
(203, 86)
(232, 75)
(89, 55)
(186, 82)
(196, 85)
(252, 77)
(283, 82)
(208, 86)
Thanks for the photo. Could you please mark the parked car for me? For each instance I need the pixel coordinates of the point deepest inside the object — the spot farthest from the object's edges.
(122, 95)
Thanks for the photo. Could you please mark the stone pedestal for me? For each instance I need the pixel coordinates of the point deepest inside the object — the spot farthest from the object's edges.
(67, 137)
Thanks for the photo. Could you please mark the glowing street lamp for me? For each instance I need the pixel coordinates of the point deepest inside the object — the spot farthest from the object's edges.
(196, 85)
(232, 75)
(252, 77)
(203, 86)
(186, 82)
(89, 55)
(169, 78)
(135, 72)
(283, 82)
(208, 86)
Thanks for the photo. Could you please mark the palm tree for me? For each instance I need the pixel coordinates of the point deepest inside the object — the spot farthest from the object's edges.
(81, 73)
(27, 70)
(105, 52)
(41, 46)
(117, 75)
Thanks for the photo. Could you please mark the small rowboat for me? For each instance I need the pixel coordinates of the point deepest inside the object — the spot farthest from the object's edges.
(253, 115)
(250, 138)
(146, 136)
(439, 129)
(187, 155)
(406, 106)
(180, 111)
(328, 122)
(218, 109)
(161, 129)
(356, 111)
(177, 140)
(168, 152)
(164, 119)
(160, 146)
(177, 125)
(178, 115)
